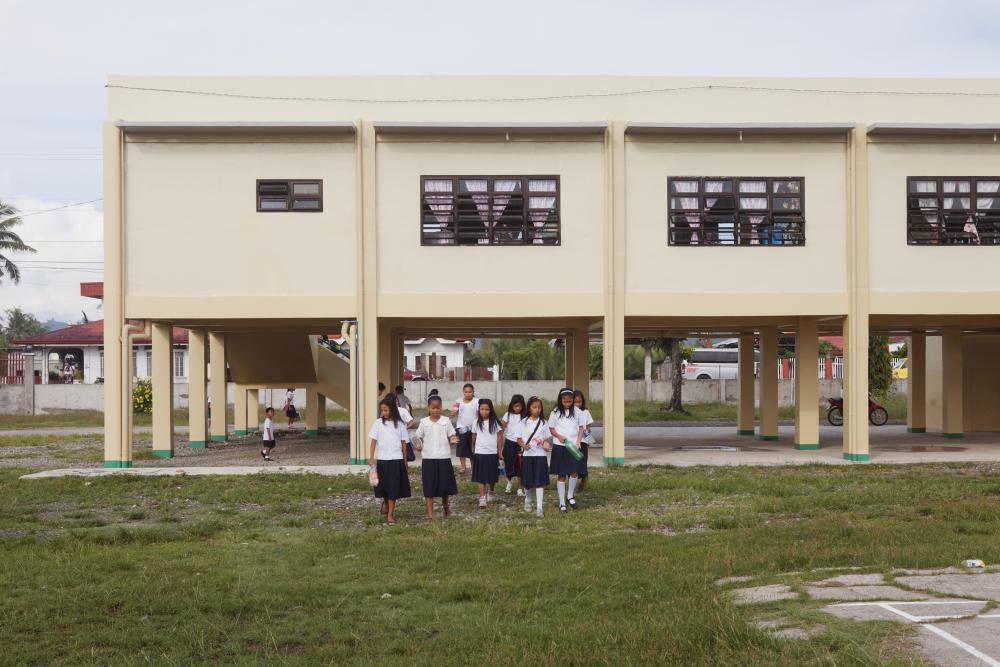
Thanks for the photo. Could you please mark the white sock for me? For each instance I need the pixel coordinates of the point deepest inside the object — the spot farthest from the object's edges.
(527, 502)
(561, 487)
(538, 495)
(572, 486)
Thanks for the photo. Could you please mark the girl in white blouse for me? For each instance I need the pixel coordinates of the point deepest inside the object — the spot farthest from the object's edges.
(511, 452)
(565, 425)
(533, 439)
(436, 472)
(388, 457)
(487, 435)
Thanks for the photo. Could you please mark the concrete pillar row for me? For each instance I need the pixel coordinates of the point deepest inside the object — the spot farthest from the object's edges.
(807, 384)
(745, 403)
(581, 361)
(163, 390)
(217, 368)
(197, 390)
(951, 349)
(315, 411)
(916, 381)
(768, 383)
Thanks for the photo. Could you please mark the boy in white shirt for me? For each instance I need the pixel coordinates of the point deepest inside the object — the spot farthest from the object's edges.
(436, 471)
(267, 434)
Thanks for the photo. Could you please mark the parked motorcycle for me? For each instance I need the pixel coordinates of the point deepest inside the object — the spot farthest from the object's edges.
(877, 414)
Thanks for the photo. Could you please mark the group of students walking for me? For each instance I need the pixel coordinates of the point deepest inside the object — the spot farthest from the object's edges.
(523, 445)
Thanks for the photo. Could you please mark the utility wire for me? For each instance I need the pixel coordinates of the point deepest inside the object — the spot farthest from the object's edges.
(566, 96)
(57, 208)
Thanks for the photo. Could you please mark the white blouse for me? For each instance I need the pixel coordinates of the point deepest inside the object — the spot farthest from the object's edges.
(467, 412)
(536, 445)
(585, 419)
(567, 426)
(389, 438)
(512, 420)
(435, 436)
(486, 442)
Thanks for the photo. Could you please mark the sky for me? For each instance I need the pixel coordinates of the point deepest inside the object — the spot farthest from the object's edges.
(58, 54)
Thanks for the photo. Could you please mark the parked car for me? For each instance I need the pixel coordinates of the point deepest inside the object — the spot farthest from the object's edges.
(713, 363)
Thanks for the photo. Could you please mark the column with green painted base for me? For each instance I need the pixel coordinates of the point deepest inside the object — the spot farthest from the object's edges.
(163, 390)
(253, 410)
(916, 383)
(747, 381)
(769, 383)
(239, 410)
(217, 378)
(197, 390)
(315, 411)
(807, 384)
(951, 370)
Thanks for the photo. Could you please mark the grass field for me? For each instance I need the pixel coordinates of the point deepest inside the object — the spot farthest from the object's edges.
(301, 570)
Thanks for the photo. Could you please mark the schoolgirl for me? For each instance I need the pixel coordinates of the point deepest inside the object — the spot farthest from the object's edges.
(586, 420)
(437, 435)
(565, 426)
(511, 452)
(388, 436)
(533, 439)
(464, 410)
(487, 434)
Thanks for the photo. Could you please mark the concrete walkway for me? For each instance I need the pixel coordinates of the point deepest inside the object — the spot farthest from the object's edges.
(329, 471)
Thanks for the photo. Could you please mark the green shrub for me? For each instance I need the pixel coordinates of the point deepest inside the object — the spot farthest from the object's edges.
(142, 397)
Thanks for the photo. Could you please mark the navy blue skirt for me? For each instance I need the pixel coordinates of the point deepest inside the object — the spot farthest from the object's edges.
(393, 480)
(485, 468)
(534, 472)
(464, 447)
(438, 477)
(512, 459)
(563, 464)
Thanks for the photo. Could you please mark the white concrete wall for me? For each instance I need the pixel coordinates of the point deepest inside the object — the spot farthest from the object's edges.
(11, 399)
(454, 352)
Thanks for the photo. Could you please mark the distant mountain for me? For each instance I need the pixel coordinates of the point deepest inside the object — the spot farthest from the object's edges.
(53, 325)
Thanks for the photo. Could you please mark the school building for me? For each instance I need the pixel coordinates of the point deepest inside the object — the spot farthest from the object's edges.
(259, 213)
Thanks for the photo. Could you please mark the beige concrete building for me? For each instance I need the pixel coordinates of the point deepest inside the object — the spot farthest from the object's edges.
(259, 213)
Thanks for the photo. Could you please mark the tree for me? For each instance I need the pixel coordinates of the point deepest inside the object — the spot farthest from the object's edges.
(20, 324)
(676, 376)
(879, 366)
(10, 242)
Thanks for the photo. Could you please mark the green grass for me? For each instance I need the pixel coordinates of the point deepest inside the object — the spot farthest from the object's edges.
(301, 569)
(76, 418)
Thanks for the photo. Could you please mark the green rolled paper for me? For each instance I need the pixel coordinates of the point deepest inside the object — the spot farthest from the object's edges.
(573, 450)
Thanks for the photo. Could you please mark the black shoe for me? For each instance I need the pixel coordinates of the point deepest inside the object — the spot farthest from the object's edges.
(572, 503)
(562, 508)
(268, 458)
(263, 454)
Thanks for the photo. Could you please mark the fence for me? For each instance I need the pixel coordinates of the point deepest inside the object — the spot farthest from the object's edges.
(828, 368)
(11, 367)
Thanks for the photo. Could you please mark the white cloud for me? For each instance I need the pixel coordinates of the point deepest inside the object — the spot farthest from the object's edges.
(51, 277)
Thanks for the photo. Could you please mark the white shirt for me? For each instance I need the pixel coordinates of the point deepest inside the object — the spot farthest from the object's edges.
(512, 420)
(486, 442)
(389, 438)
(525, 428)
(585, 419)
(435, 435)
(567, 426)
(402, 401)
(467, 412)
(268, 432)
(290, 397)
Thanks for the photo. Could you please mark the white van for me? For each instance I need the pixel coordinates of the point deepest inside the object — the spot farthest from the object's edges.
(714, 363)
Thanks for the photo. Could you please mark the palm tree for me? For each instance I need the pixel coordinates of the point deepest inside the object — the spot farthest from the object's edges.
(10, 242)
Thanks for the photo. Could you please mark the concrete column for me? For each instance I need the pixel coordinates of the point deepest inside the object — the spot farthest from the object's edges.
(807, 384)
(569, 379)
(197, 390)
(856, 388)
(321, 410)
(163, 390)
(239, 410)
(581, 361)
(253, 410)
(647, 371)
(916, 383)
(117, 360)
(614, 295)
(367, 281)
(745, 403)
(951, 347)
(858, 300)
(398, 362)
(358, 455)
(29, 383)
(313, 409)
(768, 383)
(217, 367)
